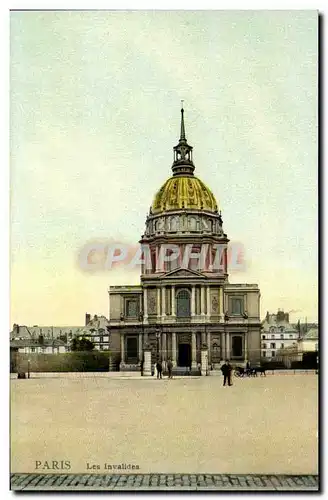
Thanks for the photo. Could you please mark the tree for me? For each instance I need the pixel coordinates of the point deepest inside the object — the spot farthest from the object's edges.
(82, 344)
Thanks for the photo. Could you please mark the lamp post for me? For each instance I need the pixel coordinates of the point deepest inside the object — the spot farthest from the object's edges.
(28, 368)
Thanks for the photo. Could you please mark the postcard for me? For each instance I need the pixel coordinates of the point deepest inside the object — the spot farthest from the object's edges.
(164, 265)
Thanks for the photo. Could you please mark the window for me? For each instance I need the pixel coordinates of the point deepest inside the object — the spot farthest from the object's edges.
(263, 336)
(264, 346)
(192, 223)
(281, 336)
(290, 336)
(183, 304)
(263, 354)
(236, 306)
(131, 308)
(281, 328)
(272, 329)
(273, 345)
(237, 346)
(273, 354)
(282, 346)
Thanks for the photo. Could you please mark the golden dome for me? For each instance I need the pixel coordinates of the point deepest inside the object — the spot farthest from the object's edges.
(184, 192)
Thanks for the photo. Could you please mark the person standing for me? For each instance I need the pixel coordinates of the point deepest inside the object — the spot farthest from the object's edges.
(159, 369)
(169, 367)
(226, 369)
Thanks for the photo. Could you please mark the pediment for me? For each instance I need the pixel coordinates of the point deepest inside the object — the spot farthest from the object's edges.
(183, 273)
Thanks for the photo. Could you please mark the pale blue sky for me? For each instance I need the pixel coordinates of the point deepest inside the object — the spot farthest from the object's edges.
(95, 99)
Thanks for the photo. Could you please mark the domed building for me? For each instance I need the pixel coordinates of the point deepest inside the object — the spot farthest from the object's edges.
(185, 302)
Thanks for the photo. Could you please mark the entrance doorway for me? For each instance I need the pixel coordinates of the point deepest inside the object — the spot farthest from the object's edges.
(131, 349)
(184, 358)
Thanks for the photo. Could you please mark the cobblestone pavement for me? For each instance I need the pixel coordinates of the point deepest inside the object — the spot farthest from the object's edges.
(157, 482)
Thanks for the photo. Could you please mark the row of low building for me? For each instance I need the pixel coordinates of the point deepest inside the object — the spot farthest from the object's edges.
(286, 343)
(281, 341)
(55, 339)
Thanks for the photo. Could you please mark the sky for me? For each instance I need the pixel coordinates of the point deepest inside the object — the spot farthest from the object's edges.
(95, 112)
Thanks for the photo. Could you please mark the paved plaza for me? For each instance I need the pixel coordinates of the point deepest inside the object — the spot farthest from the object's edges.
(264, 425)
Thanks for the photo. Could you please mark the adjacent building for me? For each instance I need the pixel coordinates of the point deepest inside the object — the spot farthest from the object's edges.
(277, 333)
(57, 339)
(185, 300)
(96, 330)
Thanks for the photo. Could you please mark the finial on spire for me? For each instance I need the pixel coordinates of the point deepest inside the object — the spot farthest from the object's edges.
(182, 133)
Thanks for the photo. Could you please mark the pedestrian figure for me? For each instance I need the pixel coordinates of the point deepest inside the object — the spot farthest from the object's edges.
(159, 369)
(141, 367)
(226, 369)
(169, 367)
(155, 369)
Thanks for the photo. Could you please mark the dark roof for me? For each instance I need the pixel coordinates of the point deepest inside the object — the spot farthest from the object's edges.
(35, 343)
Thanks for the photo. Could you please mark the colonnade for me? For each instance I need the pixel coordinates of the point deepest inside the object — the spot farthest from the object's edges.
(167, 352)
(161, 305)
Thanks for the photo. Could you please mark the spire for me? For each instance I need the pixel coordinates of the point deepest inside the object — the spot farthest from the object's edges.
(183, 164)
(182, 133)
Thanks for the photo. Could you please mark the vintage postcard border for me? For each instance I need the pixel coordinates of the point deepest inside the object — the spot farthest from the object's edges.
(156, 482)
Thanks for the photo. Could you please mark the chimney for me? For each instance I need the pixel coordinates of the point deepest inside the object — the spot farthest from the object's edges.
(280, 315)
(87, 319)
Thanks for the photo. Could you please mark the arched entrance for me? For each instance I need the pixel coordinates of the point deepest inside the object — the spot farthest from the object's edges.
(184, 355)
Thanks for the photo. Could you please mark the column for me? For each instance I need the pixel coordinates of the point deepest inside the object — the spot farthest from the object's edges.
(209, 259)
(193, 300)
(223, 346)
(203, 338)
(163, 301)
(122, 349)
(193, 350)
(221, 305)
(202, 300)
(174, 349)
(158, 301)
(228, 346)
(208, 305)
(140, 347)
(209, 347)
(246, 346)
(145, 308)
(145, 339)
(164, 348)
(173, 300)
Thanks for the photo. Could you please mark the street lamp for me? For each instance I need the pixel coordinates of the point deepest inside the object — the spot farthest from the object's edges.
(28, 368)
